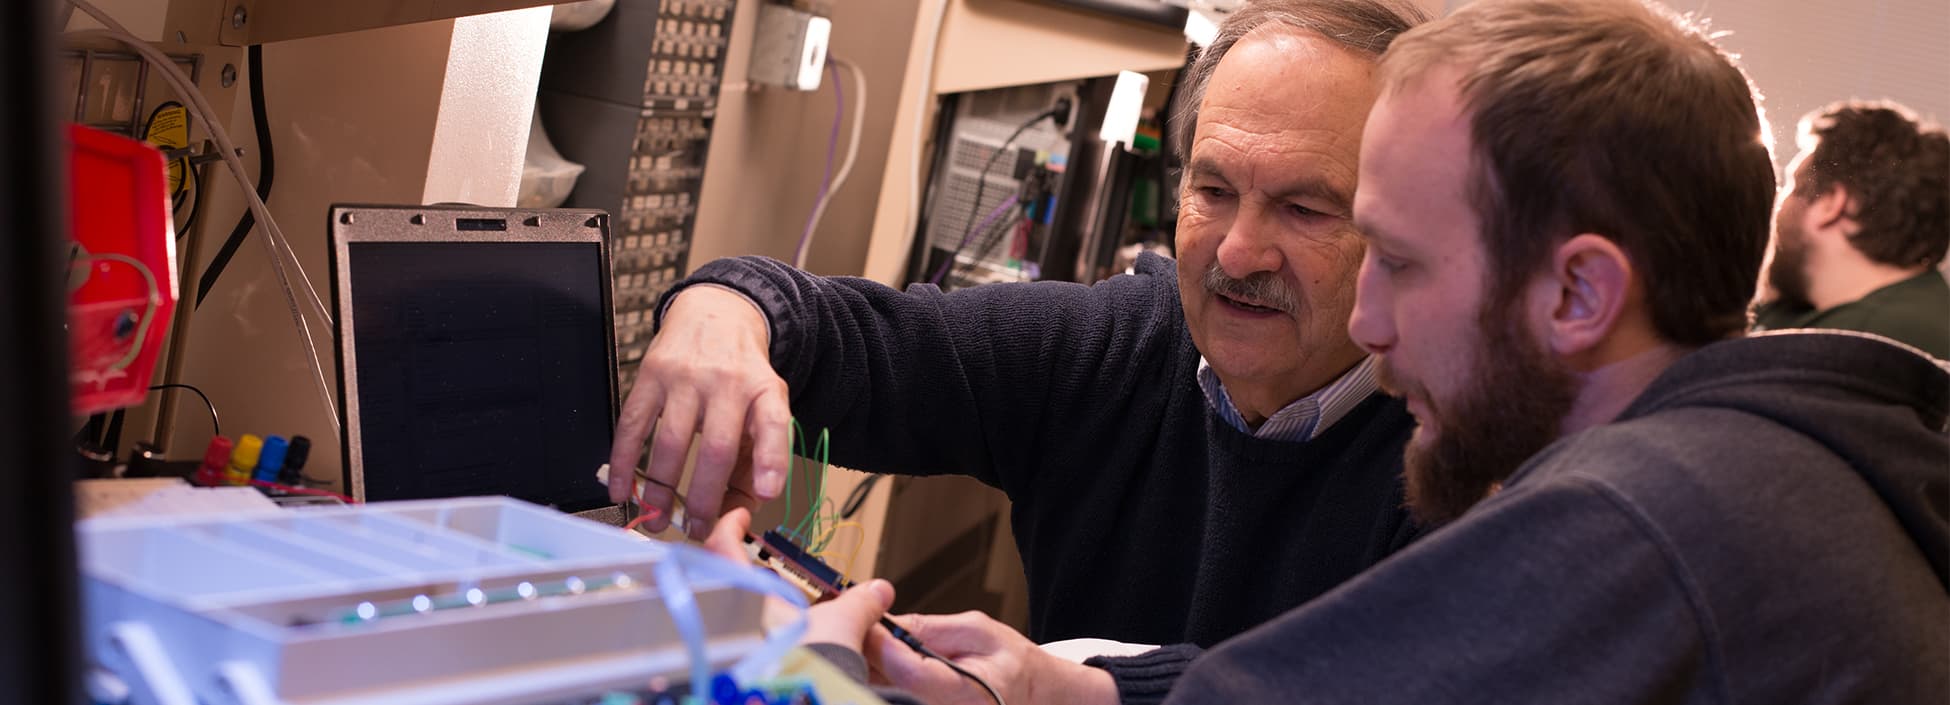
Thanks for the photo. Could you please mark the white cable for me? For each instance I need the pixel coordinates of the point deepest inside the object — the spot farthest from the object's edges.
(200, 105)
(317, 302)
(675, 571)
(846, 166)
(921, 119)
(228, 150)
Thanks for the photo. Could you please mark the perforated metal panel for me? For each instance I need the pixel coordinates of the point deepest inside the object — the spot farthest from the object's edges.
(644, 141)
(953, 215)
(984, 120)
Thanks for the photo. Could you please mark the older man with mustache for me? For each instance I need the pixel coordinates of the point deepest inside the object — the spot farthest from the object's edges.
(1182, 467)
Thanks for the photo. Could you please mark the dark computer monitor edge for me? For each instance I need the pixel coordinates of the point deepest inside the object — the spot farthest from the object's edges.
(351, 482)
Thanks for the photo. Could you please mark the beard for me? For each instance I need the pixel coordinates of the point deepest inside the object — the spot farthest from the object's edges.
(1788, 271)
(1511, 406)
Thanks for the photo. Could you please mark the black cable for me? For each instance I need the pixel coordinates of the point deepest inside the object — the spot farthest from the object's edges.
(858, 497)
(265, 171)
(216, 428)
(990, 239)
(90, 433)
(993, 695)
(981, 185)
(112, 438)
(1027, 196)
(914, 642)
(196, 202)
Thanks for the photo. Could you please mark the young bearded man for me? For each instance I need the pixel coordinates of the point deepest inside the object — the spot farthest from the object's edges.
(1566, 204)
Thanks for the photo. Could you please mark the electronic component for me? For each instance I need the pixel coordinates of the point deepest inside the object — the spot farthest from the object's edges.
(242, 459)
(210, 473)
(775, 551)
(638, 115)
(476, 355)
(215, 608)
(270, 460)
(789, 48)
(295, 456)
(981, 212)
(823, 582)
(122, 268)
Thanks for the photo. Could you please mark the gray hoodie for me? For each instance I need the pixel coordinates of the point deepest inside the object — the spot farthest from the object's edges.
(1768, 523)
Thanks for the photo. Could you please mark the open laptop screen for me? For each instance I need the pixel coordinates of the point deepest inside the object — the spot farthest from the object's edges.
(476, 360)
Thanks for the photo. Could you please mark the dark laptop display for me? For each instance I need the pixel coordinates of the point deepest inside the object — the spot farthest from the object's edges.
(476, 353)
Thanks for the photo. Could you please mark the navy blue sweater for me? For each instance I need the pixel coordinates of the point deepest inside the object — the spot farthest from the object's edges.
(1140, 515)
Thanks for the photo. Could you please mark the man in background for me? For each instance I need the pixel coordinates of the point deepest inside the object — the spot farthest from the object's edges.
(1862, 225)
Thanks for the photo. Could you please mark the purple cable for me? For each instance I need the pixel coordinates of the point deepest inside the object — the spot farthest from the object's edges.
(825, 177)
(984, 225)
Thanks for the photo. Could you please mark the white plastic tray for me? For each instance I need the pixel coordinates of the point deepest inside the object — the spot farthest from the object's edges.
(319, 606)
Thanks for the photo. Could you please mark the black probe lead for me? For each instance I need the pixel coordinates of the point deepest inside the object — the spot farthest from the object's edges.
(914, 642)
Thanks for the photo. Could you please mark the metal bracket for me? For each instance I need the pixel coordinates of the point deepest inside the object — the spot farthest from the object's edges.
(234, 27)
(156, 676)
(244, 684)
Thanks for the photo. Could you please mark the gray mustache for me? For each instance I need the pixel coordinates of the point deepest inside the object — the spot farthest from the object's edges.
(1262, 288)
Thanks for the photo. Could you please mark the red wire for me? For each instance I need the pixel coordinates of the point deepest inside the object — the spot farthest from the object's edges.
(302, 490)
(648, 513)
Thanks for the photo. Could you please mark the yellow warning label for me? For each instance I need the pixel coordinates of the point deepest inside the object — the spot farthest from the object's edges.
(169, 128)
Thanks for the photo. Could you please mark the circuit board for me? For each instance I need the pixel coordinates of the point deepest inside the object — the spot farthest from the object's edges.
(800, 567)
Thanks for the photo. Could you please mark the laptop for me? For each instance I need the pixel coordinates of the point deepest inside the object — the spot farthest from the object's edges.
(476, 352)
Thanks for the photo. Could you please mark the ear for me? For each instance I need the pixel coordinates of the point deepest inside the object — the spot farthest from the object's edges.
(1827, 209)
(1593, 282)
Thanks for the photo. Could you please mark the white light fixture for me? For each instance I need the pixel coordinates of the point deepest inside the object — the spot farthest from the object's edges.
(1201, 27)
(1121, 114)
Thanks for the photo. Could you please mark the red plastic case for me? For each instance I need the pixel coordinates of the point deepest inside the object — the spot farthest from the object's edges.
(122, 274)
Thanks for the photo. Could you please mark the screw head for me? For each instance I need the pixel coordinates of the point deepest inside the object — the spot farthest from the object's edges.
(229, 75)
(125, 323)
(237, 17)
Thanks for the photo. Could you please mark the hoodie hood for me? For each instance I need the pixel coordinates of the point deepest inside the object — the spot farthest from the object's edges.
(1877, 404)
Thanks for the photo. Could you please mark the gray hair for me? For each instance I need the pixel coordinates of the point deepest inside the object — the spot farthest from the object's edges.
(1365, 26)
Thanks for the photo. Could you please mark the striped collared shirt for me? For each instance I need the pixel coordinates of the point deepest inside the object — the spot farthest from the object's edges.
(1304, 419)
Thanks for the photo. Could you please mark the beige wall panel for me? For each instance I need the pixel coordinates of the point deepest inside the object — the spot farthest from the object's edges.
(143, 18)
(993, 43)
(1803, 55)
(281, 20)
(769, 145)
(352, 119)
(892, 234)
(436, 110)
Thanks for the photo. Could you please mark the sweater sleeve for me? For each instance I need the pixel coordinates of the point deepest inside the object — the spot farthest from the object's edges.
(967, 382)
(1147, 677)
(1563, 593)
